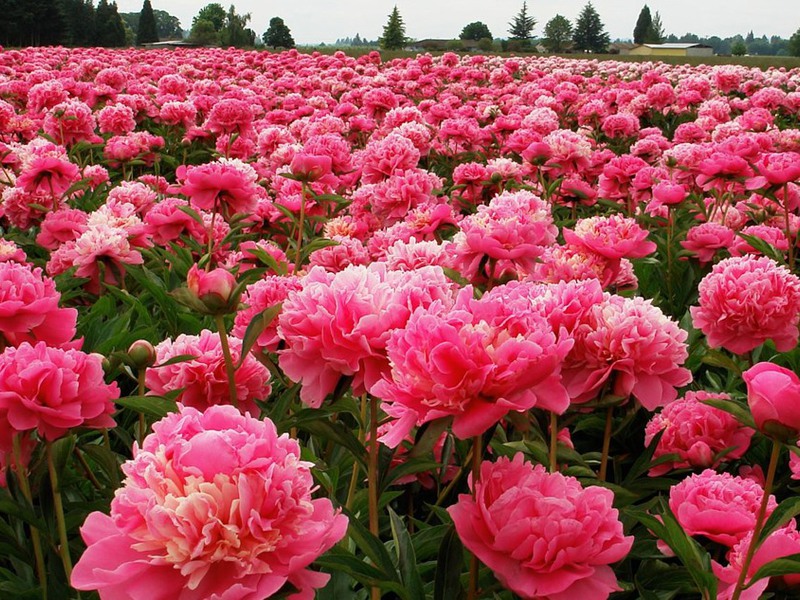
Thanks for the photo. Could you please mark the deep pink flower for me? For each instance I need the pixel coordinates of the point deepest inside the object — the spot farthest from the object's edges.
(51, 390)
(310, 167)
(747, 300)
(697, 433)
(213, 288)
(203, 380)
(214, 505)
(614, 237)
(474, 363)
(338, 324)
(773, 393)
(29, 310)
(257, 297)
(544, 535)
(48, 175)
(706, 239)
(227, 185)
(719, 506)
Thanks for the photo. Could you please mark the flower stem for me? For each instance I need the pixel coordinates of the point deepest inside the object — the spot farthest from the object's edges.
(354, 476)
(142, 390)
(553, 442)
(606, 444)
(372, 479)
(25, 488)
(300, 223)
(760, 518)
(230, 370)
(58, 505)
(789, 237)
(210, 250)
(474, 566)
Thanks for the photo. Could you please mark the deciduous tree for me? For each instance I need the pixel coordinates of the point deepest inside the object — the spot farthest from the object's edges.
(557, 34)
(278, 34)
(475, 31)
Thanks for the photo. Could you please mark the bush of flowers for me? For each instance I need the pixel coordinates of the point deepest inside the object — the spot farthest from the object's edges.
(310, 326)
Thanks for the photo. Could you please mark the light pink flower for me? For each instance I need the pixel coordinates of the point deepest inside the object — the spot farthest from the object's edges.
(719, 506)
(214, 505)
(544, 535)
(203, 380)
(747, 300)
(697, 433)
(51, 390)
(633, 346)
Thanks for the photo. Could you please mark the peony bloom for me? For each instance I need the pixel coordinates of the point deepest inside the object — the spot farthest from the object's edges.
(720, 506)
(227, 185)
(259, 296)
(474, 363)
(213, 288)
(29, 308)
(51, 390)
(338, 324)
(48, 175)
(697, 433)
(706, 239)
(773, 394)
(544, 535)
(202, 380)
(779, 544)
(747, 300)
(214, 505)
(631, 344)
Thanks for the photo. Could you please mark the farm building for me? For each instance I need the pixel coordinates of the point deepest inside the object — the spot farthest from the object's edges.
(672, 50)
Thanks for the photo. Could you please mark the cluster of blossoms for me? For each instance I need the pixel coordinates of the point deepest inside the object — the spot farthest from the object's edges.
(458, 240)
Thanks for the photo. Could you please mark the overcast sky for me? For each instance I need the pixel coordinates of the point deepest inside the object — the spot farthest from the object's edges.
(314, 21)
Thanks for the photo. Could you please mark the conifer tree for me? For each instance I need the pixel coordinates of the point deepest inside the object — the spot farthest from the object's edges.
(147, 32)
(643, 25)
(521, 28)
(394, 32)
(589, 34)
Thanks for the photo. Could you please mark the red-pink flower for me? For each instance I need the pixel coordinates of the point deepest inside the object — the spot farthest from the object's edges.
(719, 506)
(48, 175)
(213, 288)
(214, 505)
(29, 310)
(706, 239)
(227, 185)
(51, 390)
(747, 300)
(697, 433)
(544, 535)
(202, 380)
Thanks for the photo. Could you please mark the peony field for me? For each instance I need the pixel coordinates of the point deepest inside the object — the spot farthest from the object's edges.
(298, 326)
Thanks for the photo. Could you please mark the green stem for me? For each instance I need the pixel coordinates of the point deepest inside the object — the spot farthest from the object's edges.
(474, 565)
(142, 390)
(63, 541)
(25, 488)
(372, 479)
(789, 238)
(300, 223)
(760, 518)
(553, 442)
(230, 370)
(606, 444)
(211, 235)
(354, 476)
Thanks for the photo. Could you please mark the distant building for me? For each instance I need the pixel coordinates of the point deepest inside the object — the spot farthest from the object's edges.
(672, 50)
(429, 45)
(620, 48)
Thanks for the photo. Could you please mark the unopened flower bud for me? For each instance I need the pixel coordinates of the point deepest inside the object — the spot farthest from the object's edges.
(142, 354)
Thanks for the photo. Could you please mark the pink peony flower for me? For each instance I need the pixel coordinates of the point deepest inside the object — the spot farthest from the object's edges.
(338, 324)
(544, 535)
(213, 288)
(51, 390)
(747, 300)
(773, 394)
(719, 506)
(29, 310)
(258, 297)
(631, 344)
(474, 363)
(202, 380)
(697, 433)
(706, 239)
(48, 175)
(214, 505)
(227, 185)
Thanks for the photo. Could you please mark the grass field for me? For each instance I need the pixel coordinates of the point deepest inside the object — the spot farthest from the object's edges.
(761, 62)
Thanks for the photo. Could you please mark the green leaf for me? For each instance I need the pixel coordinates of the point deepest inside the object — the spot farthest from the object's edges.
(337, 560)
(157, 407)
(372, 547)
(716, 358)
(786, 565)
(428, 435)
(642, 464)
(256, 327)
(783, 513)
(175, 360)
(406, 559)
(61, 450)
(739, 410)
(449, 564)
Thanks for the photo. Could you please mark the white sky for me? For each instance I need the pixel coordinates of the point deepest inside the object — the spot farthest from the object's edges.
(314, 21)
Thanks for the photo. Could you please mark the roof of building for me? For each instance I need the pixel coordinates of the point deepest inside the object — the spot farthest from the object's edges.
(671, 46)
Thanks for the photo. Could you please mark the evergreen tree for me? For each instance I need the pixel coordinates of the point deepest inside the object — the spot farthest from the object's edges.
(109, 29)
(557, 34)
(656, 34)
(147, 31)
(522, 26)
(643, 24)
(589, 34)
(278, 35)
(475, 31)
(394, 32)
(794, 44)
